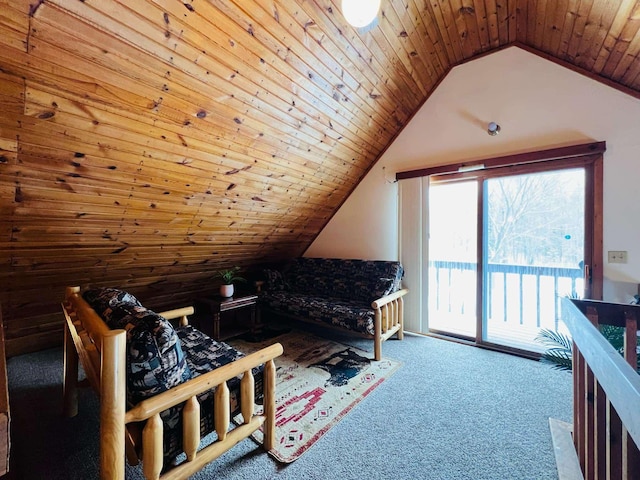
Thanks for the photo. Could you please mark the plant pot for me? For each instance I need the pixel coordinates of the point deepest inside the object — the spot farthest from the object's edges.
(226, 291)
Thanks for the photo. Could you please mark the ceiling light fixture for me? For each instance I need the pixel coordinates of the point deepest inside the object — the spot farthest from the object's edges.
(493, 129)
(360, 13)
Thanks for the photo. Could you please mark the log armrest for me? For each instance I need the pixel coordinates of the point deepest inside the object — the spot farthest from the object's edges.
(380, 302)
(389, 319)
(181, 313)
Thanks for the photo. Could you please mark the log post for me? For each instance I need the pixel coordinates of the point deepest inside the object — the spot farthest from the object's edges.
(152, 448)
(269, 426)
(191, 427)
(247, 396)
(377, 341)
(70, 369)
(70, 380)
(222, 415)
(113, 405)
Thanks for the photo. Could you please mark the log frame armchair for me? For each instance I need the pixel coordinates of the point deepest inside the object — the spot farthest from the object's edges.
(136, 431)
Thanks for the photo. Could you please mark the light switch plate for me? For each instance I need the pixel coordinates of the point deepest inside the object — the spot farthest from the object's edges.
(617, 256)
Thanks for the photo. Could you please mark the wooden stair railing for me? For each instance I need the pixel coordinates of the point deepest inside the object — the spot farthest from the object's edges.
(606, 390)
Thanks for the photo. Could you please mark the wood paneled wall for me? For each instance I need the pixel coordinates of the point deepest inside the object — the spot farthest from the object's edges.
(147, 143)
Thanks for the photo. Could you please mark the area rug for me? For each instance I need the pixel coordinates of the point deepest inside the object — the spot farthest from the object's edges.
(318, 382)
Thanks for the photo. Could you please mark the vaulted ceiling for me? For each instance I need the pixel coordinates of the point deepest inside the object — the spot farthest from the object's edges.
(147, 143)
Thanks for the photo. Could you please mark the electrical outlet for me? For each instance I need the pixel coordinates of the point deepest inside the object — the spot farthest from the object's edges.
(617, 256)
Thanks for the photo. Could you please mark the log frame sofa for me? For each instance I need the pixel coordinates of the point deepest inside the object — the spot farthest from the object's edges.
(136, 431)
(361, 297)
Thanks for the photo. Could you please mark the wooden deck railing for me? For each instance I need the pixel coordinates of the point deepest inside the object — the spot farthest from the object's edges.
(507, 286)
(606, 428)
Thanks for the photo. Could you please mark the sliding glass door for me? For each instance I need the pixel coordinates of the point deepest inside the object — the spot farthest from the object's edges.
(533, 254)
(453, 258)
(504, 247)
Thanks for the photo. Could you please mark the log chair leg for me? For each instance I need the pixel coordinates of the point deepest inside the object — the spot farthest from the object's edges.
(269, 401)
(377, 341)
(377, 348)
(70, 382)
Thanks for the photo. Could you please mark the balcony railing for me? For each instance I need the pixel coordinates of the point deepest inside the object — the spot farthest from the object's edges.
(525, 294)
(606, 430)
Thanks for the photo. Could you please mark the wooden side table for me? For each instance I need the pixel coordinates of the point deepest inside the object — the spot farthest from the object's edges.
(214, 306)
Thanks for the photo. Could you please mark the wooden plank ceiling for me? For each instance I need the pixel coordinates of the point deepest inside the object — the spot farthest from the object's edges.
(147, 143)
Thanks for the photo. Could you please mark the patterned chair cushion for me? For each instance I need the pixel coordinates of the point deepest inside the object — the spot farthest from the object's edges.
(275, 281)
(357, 317)
(155, 359)
(102, 299)
(203, 355)
(359, 280)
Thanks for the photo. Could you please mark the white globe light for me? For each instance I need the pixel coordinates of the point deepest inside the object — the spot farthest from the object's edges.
(360, 13)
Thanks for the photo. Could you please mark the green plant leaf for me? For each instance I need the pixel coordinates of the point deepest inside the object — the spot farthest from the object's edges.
(561, 360)
(229, 275)
(615, 336)
(559, 351)
(551, 339)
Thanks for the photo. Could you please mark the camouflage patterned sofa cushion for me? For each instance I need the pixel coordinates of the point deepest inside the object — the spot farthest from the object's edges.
(102, 299)
(155, 360)
(331, 290)
(358, 317)
(358, 280)
(203, 355)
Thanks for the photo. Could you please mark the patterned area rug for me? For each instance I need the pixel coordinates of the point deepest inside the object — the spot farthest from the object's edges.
(318, 383)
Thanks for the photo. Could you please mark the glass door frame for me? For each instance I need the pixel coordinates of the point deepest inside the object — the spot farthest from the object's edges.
(454, 332)
(593, 253)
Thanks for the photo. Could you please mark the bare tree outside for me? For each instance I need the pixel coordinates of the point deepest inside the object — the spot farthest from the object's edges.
(536, 219)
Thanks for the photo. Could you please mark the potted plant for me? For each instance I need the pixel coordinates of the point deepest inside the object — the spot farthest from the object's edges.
(559, 351)
(229, 276)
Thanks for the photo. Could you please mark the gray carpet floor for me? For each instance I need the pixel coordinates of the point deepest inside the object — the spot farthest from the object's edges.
(450, 412)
